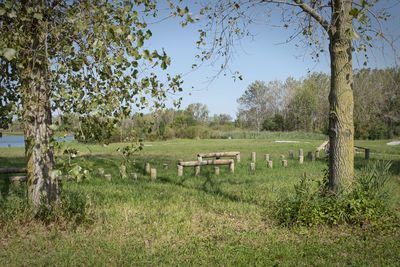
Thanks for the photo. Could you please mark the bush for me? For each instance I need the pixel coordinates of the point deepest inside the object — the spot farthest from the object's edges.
(314, 204)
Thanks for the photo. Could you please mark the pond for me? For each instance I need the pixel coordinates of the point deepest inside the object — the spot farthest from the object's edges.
(18, 140)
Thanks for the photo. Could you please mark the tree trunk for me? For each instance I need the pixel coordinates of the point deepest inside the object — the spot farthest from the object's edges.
(37, 117)
(341, 127)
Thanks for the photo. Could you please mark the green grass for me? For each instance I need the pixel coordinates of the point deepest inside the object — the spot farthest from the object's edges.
(192, 220)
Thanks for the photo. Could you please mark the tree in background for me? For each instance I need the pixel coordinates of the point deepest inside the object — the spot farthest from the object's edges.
(86, 57)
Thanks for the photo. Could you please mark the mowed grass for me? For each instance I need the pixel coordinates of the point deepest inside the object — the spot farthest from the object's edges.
(194, 220)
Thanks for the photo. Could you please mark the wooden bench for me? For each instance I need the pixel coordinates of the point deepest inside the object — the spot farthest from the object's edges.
(366, 151)
(212, 162)
(218, 155)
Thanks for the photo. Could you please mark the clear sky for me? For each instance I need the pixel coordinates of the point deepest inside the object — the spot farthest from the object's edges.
(261, 57)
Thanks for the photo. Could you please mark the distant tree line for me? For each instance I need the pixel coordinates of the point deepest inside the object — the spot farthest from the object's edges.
(290, 105)
(192, 122)
(302, 105)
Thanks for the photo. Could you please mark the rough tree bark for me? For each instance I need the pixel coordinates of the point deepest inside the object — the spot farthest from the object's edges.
(341, 127)
(37, 116)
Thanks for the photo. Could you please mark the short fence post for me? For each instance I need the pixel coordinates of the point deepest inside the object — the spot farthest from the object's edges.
(147, 168)
(301, 152)
(196, 170)
(301, 159)
(309, 154)
(232, 167)
(180, 170)
(252, 166)
(101, 171)
(284, 163)
(367, 153)
(165, 165)
(107, 177)
(270, 164)
(291, 154)
(216, 170)
(253, 156)
(133, 176)
(238, 158)
(153, 173)
(266, 157)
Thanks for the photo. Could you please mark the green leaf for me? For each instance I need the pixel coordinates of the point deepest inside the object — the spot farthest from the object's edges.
(9, 53)
(38, 16)
(2, 11)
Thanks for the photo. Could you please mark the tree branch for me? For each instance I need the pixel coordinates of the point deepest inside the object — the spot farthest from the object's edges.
(306, 8)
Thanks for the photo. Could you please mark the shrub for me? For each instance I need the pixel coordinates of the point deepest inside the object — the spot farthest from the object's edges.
(313, 204)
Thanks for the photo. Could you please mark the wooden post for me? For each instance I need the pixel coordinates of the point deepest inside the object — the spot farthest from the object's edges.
(199, 158)
(253, 156)
(17, 180)
(133, 176)
(196, 170)
(147, 168)
(238, 158)
(180, 170)
(367, 153)
(266, 157)
(301, 159)
(101, 171)
(153, 173)
(107, 177)
(309, 154)
(232, 167)
(165, 165)
(312, 157)
(216, 170)
(316, 154)
(252, 166)
(122, 171)
(290, 154)
(270, 164)
(301, 152)
(284, 163)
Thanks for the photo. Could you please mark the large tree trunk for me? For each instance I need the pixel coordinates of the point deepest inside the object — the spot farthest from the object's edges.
(341, 127)
(37, 117)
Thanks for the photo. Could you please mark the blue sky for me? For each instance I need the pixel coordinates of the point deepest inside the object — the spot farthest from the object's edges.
(261, 57)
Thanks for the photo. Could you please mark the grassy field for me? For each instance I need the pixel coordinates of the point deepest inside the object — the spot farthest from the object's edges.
(192, 220)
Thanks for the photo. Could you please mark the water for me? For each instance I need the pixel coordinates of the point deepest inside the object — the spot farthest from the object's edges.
(18, 141)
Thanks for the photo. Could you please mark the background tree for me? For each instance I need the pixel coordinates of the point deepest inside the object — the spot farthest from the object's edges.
(346, 25)
(85, 57)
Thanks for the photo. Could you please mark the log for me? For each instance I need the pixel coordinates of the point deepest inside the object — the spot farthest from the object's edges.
(218, 154)
(12, 170)
(206, 162)
(322, 146)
